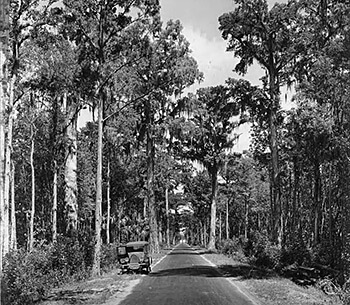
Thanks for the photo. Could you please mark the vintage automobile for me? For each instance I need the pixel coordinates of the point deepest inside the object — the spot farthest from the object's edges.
(134, 256)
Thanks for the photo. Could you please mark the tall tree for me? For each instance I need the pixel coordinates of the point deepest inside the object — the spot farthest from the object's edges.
(255, 33)
(210, 136)
(4, 41)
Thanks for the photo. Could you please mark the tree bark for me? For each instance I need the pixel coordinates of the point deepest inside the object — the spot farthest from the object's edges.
(214, 192)
(167, 217)
(8, 154)
(227, 226)
(13, 235)
(4, 45)
(220, 227)
(276, 232)
(70, 172)
(160, 232)
(201, 232)
(154, 241)
(96, 269)
(205, 233)
(32, 211)
(246, 218)
(54, 202)
(317, 203)
(108, 201)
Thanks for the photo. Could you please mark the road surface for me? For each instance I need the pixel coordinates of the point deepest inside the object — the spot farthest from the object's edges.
(184, 277)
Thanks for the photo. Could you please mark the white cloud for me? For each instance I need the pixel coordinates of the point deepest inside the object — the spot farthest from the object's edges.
(213, 61)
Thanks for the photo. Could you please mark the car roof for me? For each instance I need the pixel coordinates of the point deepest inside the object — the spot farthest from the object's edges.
(136, 243)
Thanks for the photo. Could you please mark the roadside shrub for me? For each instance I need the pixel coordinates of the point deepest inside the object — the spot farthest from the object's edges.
(27, 277)
(109, 257)
(68, 257)
(324, 254)
(228, 246)
(86, 239)
(232, 248)
(262, 252)
(295, 253)
(268, 257)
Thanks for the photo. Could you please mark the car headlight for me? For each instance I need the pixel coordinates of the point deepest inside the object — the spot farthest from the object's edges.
(124, 260)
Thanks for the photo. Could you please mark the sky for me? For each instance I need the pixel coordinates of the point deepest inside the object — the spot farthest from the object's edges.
(199, 19)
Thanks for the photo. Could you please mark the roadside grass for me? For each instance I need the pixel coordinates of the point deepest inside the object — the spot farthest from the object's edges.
(264, 288)
(267, 288)
(109, 288)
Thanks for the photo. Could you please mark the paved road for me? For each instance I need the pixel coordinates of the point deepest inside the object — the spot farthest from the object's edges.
(185, 278)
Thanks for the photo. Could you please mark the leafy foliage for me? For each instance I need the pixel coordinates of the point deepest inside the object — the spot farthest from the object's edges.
(293, 182)
(28, 277)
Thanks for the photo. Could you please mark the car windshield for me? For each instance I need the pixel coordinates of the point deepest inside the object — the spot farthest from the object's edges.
(135, 249)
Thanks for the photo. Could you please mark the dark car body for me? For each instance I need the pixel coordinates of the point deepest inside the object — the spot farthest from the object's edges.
(134, 256)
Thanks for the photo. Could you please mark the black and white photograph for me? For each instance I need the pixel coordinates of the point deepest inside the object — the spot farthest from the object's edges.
(175, 152)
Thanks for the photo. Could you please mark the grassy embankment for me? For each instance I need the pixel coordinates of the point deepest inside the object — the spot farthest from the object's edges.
(267, 288)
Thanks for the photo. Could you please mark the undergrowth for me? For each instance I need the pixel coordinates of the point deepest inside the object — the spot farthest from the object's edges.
(29, 276)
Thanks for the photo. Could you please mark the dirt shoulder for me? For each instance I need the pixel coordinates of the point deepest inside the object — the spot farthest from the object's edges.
(268, 289)
(109, 289)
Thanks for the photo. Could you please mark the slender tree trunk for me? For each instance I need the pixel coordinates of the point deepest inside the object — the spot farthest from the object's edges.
(167, 217)
(227, 226)
(108, 200)
(276, 227)
(54, 151)
(70, 171)
(246, 219)
(8, 153)
(160, 232)
(2, 137)
(317, 203)
(150, 191)
(96, 269)
(296, 178)
(205, 233)
(32, 212)
(145, 207)
(13, 235)
(220, 227)
(201, 233)
(214, 189)
(4, 46)
(54, 203)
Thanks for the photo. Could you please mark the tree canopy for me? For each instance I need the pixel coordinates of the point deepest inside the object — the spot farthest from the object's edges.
(157, 161)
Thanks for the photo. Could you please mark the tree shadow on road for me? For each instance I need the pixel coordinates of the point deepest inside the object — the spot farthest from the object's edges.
(236, 271)
(184, 252)
(240, 270)
(198, 270)
(245, 272)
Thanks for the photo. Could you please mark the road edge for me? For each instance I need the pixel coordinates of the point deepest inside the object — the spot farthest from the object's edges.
(240, 288)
